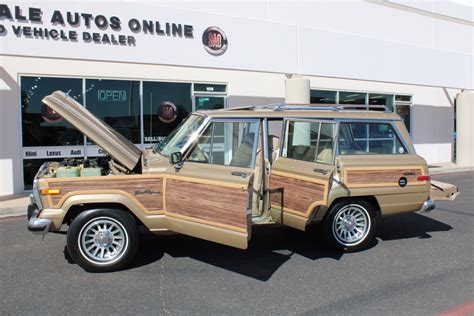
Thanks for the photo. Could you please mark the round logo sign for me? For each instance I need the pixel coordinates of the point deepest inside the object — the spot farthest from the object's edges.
(402, 181)
(214, 40)
(50, 115)
(167, 112)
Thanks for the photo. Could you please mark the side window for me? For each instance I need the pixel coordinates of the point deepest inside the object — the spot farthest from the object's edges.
(309, 141)
(227, 144)
(369, 138)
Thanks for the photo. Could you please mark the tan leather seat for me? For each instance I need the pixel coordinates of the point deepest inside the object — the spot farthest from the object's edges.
(325, 156)
(243, 155)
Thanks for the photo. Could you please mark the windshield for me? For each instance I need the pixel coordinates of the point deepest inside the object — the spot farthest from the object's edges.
(180, 135)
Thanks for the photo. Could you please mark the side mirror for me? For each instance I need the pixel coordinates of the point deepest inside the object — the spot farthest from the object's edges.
(176, 159)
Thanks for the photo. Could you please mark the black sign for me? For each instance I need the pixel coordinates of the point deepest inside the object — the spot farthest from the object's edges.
(402, 182)
(214, 41)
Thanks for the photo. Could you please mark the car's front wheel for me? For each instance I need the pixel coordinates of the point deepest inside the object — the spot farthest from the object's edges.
(350, 225)
(103, 240)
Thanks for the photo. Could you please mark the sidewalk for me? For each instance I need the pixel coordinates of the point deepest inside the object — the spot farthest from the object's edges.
(16, 204)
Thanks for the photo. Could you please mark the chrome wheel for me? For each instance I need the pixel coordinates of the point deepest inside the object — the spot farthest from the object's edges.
(103, 240)
(351, 224)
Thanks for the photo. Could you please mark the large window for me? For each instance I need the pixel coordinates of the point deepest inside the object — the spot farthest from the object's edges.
(117, 103)
(369, 138)
(323, 97)
(41, 126)
(352, 98)
(309, 141)
(381, 99)
(122, 104)
(165, 105)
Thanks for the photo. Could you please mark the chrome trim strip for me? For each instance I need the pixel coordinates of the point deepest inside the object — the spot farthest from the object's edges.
(39, 175)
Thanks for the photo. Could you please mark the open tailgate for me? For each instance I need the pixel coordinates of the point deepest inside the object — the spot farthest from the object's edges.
(443, 191)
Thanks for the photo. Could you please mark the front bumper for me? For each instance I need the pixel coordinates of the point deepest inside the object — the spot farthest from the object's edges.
(37, 225)
(427, 206)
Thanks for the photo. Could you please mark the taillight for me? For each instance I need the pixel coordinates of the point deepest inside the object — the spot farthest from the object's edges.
(423, 178)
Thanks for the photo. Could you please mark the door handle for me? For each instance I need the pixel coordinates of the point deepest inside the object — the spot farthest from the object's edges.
(323, 171)
(239, 174)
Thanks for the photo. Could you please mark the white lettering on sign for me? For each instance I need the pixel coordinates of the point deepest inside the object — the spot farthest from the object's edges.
(154, 138)
(112, 95)
(210, 88)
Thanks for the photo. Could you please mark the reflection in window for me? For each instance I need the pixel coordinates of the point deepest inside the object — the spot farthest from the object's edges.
(180, 136)
(403, 98)
(322, 97)
(381, 99)
(165, 105)
(369, 138)
(352, 97)
(117, 103)
(41, 126)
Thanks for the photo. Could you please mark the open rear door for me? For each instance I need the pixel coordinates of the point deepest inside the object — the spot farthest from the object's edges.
(209, 196)
(300, 177)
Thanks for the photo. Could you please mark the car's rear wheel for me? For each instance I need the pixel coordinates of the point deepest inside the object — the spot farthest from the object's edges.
(350, 225)
(103, 240)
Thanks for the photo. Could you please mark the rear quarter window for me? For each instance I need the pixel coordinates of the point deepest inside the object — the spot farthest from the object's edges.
(374, 138)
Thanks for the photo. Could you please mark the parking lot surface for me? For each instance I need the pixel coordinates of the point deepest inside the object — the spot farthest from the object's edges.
(420, 264)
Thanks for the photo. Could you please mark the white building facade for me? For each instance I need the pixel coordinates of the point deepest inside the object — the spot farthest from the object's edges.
(128, 61)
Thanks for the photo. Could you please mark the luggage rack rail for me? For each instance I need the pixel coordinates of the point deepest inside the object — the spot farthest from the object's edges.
(330, 107)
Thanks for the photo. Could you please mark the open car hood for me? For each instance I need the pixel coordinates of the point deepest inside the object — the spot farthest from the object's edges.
(116, 145)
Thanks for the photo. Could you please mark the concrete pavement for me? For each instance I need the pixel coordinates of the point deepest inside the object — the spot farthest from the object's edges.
(15, 205)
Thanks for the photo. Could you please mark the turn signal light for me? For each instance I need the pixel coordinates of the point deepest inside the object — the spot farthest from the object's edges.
(423, 178)
(50, 191)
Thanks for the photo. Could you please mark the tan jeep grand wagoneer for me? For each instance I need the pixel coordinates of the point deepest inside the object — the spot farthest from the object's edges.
(221, 172)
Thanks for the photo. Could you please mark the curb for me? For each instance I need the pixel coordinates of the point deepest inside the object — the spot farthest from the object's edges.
(440, 171)
(12, 212)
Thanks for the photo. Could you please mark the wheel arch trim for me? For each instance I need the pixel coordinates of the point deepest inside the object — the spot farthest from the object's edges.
(129, 203)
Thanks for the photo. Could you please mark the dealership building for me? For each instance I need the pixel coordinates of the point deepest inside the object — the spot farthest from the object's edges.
(143, 66)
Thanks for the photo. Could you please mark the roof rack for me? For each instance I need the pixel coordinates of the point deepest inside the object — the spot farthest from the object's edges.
(330, 107)
(334, 107)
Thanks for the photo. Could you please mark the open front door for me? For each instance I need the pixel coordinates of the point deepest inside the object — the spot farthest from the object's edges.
(209, 197)
(300, 177)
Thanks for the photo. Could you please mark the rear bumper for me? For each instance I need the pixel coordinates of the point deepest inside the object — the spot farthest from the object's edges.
(428, 205)
(37, 225)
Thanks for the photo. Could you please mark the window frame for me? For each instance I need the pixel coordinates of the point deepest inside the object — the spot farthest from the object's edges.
(371, 121)
(285, 129)
(189, 147)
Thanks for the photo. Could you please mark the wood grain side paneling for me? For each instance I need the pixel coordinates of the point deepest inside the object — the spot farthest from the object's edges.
(294, 194)
(212, 203)
(148, 191)
(381, 177)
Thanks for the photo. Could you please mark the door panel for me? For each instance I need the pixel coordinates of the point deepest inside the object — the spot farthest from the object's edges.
(299, 179)
(209, 195)
(208, 202)
(296, 189)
